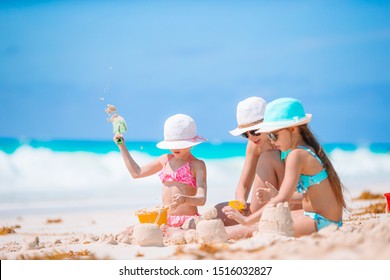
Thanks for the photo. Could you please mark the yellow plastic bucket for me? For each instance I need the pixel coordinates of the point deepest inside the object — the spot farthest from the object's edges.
(236, 204)
(150, 215)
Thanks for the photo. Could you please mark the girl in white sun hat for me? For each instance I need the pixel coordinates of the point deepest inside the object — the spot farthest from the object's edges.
(183, 176)
(308, 169)
(262, 163)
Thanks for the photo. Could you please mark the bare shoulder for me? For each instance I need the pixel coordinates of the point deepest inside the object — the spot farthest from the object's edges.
(297, 157)
(163, 158)
(197, 163)
(299, 154)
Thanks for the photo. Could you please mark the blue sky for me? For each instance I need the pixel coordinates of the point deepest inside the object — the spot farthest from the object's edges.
(153, 59)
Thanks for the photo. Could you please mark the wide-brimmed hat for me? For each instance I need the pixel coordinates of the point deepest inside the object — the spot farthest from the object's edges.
(250, 113)
(282, 113)
(180, 133)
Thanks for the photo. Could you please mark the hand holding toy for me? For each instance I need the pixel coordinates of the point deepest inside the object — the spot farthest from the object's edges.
(118, 123)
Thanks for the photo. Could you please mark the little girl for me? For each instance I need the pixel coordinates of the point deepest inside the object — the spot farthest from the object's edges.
(183, 176)
(307, 170)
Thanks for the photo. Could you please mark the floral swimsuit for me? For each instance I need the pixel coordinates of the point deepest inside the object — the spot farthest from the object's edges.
(182, 175)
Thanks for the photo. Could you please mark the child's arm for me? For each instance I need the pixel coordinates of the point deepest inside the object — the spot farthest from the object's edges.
(264, 195)
(294, 166)
(201, 184)
(236, 215)
(135, 170)
(286, 192)
(248, 173)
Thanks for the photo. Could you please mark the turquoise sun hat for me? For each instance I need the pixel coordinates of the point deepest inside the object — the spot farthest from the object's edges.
(282, 113)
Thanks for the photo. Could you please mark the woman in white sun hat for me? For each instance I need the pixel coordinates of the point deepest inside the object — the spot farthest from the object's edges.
(183, 176)
(262, 163)
(308, 170)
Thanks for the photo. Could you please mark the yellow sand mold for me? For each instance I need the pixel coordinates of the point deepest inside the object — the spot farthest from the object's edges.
(236, 204)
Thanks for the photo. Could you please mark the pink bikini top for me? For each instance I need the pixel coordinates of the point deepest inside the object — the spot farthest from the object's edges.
(181, 175)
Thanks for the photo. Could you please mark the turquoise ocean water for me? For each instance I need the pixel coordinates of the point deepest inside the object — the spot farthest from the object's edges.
(70, 175)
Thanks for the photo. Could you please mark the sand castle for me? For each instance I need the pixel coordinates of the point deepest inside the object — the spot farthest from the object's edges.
(276, 221)
(148, 235)
(203, 229)
(211, 230)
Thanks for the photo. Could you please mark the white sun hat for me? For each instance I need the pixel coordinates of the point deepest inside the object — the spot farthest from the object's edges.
(180, 133)
(250, 113)
(283, 113)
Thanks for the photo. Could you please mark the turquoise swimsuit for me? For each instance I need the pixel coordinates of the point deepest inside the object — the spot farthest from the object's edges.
(321, 221)
(305, 181)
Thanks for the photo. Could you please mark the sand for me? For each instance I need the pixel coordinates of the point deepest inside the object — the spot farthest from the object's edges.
(96, 235)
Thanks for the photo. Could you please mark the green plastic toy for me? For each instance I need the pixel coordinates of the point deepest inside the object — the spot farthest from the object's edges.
(118, 122)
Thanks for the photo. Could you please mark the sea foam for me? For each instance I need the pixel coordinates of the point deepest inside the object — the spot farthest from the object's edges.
(40, 174)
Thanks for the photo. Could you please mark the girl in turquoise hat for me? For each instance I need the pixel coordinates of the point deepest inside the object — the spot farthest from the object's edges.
(262, 163)
(308, 170)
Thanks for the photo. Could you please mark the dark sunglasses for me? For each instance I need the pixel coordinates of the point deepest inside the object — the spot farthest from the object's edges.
(252, 132)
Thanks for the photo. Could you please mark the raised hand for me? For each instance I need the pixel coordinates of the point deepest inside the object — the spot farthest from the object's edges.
(178, 199)
(264, 195)
(118, 138)
(235, 215)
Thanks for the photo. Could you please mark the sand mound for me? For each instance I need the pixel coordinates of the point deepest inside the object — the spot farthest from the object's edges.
(148, 235)
(210, 214)
(211, 231)
(276, 222)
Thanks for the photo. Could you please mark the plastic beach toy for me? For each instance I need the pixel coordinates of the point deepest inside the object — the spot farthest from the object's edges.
(157, 215)
(236, 204)
(118, 123)
(387, 195)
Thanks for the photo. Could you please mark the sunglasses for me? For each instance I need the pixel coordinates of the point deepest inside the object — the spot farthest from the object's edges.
(273, 136)
(252, 132)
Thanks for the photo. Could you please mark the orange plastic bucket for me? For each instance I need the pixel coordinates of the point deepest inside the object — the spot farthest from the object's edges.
(150, 215)
(387, 195)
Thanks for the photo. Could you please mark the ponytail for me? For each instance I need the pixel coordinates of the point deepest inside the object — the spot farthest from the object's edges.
(334, 179)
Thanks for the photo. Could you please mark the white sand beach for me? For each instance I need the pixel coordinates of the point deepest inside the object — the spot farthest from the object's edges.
(94, 235)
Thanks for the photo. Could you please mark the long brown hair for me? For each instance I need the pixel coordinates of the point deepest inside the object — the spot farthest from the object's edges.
(334, 179)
